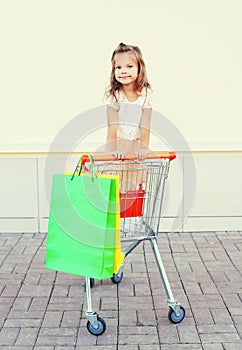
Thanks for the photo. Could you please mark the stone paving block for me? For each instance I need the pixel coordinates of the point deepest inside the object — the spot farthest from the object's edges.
(239, 329)
(217, 329)
(8, 336)
(57, 337)
(60, 291)
(233, 275)
(32, 278)
(138, 339)
(138, 330)
(146, 318)
(25, 347)
(232, 346)
(20, 267)
(208, 287)
(22, 304)
(109, 303)
(181, 261)
(168, 334)
(84, 338)
(203, 316)
(177, 247)
(138, 268)
(207, 256)
(3, 318)
(128, 318)
(141, 289)
(237, 319)
(15, 278)
(68, 279)
(65, 347)
(70, 319)
(236, 311)
(126, 290)
(221, 316)
(127, 303)
(38, 303)
(204, 301)
(52, 319)
(35, 291)
(109, 337)
(62, 304)
(45, 341)
(10, 291)
(192, 288)
(220, 337)
(22, 322)
(158, 292)
(94, 347)
(6, 303)
(4, 252)
(181, 347)
(188, 334)
(230, 287)
(27, 336)
(218, 276)
(18, 314)
(149, 347)
(46, 279)
(213, 347)
(74, 291)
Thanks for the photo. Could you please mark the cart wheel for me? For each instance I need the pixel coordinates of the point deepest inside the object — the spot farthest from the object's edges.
(101, 327)
(117, 278)
(92, 282)
(174, 318)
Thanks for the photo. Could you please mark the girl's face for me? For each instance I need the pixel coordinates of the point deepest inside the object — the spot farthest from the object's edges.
(126, 68)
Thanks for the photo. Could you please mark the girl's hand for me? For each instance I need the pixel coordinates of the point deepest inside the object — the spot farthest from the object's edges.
(118, 155)
(141, 154)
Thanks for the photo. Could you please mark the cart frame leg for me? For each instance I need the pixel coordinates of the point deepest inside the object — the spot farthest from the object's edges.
(90, 314)
(171, 302)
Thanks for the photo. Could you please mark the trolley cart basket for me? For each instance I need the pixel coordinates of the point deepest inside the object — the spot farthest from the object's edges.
(141, 194)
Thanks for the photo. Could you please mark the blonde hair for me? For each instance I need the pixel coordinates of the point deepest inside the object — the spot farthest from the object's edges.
(141, 81)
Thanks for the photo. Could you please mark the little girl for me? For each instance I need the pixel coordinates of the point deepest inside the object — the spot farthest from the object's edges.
(129, 107)
(129, 104)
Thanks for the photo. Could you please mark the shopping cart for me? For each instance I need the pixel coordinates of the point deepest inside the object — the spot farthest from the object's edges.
(141, 195)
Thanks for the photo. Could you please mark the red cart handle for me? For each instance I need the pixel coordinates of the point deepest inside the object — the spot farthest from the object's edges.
(98, 157)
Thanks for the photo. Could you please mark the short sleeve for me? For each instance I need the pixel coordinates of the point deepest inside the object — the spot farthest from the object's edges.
(149, 100)
(110, 101)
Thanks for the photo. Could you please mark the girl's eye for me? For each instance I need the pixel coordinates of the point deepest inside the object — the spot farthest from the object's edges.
(118, 67)
(130, 66)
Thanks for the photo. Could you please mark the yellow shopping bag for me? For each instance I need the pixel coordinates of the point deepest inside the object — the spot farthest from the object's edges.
(118, 255)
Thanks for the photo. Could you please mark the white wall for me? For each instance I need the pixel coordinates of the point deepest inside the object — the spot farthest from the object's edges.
(55, 65)
(216, 203)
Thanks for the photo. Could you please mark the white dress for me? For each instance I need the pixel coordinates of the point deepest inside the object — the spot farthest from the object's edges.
(129, 113)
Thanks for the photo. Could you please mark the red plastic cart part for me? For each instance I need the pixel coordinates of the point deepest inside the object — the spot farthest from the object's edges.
(131, 203)
(98, 157)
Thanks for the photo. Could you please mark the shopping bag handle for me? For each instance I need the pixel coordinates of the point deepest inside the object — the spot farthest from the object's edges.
(86, 157)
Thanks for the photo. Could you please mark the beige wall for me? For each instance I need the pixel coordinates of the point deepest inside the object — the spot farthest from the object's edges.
(55, 64)
(216, 205)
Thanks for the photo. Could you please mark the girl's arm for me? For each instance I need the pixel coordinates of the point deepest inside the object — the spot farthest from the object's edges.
(111, 139)
(145, 133)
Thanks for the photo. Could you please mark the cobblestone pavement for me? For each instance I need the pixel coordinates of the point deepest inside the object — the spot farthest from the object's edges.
(45, 310)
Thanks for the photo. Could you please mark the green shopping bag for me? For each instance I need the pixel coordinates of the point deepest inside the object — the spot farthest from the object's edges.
(82, 225)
